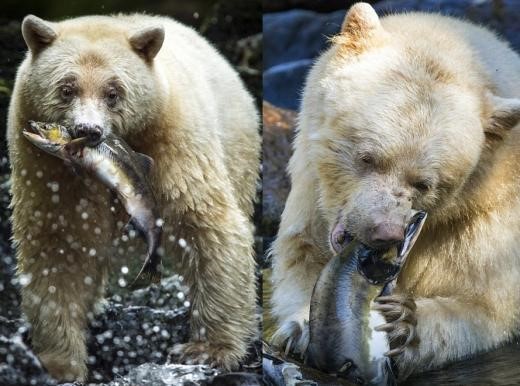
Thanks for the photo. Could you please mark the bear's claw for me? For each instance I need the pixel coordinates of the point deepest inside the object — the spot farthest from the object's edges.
(292, 337)
(399, 312)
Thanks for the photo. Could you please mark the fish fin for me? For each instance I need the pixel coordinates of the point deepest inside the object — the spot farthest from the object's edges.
(145, 161)
(149, 274)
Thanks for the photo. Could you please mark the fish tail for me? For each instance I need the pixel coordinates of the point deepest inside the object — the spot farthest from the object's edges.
(150, 273)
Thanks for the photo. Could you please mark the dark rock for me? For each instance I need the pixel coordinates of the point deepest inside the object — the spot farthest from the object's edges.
(311, 5)
(9, 286)
(142, 331)
(279, 127)
(166, 375)
(283, 83)
(293, 39)
(18, 364)
(236, 379)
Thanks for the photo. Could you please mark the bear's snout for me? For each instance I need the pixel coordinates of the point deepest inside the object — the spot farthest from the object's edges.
(94, 133)
(386, 234)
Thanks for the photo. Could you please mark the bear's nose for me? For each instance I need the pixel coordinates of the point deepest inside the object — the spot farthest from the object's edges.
(386, 234)
(93, 132)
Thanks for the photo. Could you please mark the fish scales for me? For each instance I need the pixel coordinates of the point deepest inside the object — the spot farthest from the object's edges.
(343, 340)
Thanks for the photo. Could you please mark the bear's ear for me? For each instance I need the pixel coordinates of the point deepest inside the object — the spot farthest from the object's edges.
(360, 30)
(37, 33)
(505, 114)
(147, 42)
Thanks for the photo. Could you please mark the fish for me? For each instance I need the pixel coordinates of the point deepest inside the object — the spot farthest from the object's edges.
(342, 336)
(122, 170)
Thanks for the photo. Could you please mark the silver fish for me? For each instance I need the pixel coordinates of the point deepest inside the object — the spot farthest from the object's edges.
(341, 323)
(121, 169)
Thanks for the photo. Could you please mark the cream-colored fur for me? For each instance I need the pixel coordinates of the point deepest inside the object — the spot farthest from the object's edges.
(421, 109)
(186, 108)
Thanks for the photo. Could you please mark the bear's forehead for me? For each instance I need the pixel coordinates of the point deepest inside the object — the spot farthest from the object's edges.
(93, 29)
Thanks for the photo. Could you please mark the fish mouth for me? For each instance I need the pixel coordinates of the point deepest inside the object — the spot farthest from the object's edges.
(376, 269)
(32, 128)
(411, 233)
(35, 138)
(36, 135)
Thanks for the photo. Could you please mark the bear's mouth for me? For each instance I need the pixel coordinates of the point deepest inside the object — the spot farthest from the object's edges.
(340, 237)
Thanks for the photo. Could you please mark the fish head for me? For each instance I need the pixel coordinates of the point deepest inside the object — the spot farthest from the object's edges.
(382, 266)
(48, 137)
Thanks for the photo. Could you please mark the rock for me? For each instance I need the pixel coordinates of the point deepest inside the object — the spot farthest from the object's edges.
(279, 127)
(312, 5)
(293, 39)
(9, 285)
(236, 379)
(18, 364)
(166, 375)
(138, 327)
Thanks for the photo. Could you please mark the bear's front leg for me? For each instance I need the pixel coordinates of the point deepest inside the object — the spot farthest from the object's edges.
(431, 332)
(295, 271)
(220, 270)
(62, 289)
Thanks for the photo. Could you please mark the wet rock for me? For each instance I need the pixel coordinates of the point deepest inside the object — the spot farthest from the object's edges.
(166, 375)
(311, 5)
(9, 285)
(18, 364)
(123, 337)
(236, 379)
(293, 39)
(279, 127)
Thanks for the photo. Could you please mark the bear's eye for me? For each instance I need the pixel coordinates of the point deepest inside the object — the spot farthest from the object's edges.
(112, 97)
(367, 159)
(67, 92)
(422, 185)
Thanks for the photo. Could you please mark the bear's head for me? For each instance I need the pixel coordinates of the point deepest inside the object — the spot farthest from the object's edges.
(92, 74)
(401, 128)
